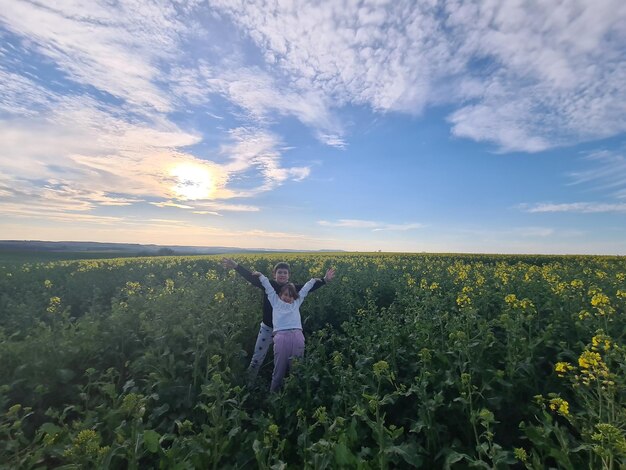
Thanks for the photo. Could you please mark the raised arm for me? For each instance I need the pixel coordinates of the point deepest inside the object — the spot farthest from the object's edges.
(272, 296)
(328, 277)
(308, 287)
(243, 272)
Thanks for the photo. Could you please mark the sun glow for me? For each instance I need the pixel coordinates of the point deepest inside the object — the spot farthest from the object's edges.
(192, 181)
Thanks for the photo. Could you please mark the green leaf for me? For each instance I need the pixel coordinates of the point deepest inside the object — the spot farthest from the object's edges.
(408, 452)
(151, 440)
(49, 428)
(234, 431)
(343, 456)
(453, 457)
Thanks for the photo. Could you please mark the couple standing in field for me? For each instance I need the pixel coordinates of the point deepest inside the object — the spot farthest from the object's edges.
(281, 317)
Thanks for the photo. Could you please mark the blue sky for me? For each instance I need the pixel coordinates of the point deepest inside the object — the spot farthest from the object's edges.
(438, 126)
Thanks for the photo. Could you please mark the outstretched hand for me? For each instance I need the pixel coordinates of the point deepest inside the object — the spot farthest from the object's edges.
(256, 274)
(229, 263)
(330, 275)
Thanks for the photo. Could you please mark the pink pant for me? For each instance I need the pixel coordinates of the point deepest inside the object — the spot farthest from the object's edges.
(287, 344)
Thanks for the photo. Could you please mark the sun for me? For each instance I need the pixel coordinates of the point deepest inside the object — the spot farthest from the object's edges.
(192, 181)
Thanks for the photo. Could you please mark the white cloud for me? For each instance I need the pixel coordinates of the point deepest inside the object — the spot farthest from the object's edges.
(549, 74)
(260, 96)
(207, 213)
(19, 96)
(217, 206)
(608, 173)
(369, 224)
(577, 207)
(116, 50)
(171, 204)
(380, 53)
(398, 227)
(250, 147)
(83, 154)
(350, 223)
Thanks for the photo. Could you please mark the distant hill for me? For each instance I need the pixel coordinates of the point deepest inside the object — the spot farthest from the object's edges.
(124, 248)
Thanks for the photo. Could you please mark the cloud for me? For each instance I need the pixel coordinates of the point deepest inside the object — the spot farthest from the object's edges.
(207, 213)
(349, 223)
(84, 154)
(217, 206)
(555, 68)
(116, 50)
(577, 207)
(253, 147)
(521, 232)
(608, 173)
(198, 207)
(260, 95)
(398, 227)
(171, 204)
(524, 76)
(380, 53)
(368, 224)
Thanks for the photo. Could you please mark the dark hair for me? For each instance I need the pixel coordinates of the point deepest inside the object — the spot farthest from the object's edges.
(281, 265)
(292, 290)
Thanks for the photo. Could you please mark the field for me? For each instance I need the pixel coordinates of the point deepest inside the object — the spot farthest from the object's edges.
(412, 360)
(22, 256)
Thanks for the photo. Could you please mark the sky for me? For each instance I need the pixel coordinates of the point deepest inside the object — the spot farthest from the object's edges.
(485, 126)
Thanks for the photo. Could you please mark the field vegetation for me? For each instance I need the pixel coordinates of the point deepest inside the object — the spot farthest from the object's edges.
(412, 360)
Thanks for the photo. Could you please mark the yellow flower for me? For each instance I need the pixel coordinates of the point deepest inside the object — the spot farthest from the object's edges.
(132, 287)
(576, 284)
(562, 368)
(601, 341)
(599, 300)
(593, 368)
(560, 406)
(463, 300)
(589, 360)
(53, 306)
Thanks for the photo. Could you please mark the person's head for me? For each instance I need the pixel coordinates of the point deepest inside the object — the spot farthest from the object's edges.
(288, 293)
(281, 273)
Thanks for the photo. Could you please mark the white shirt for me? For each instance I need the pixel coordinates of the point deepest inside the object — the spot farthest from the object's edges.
(285, 316)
